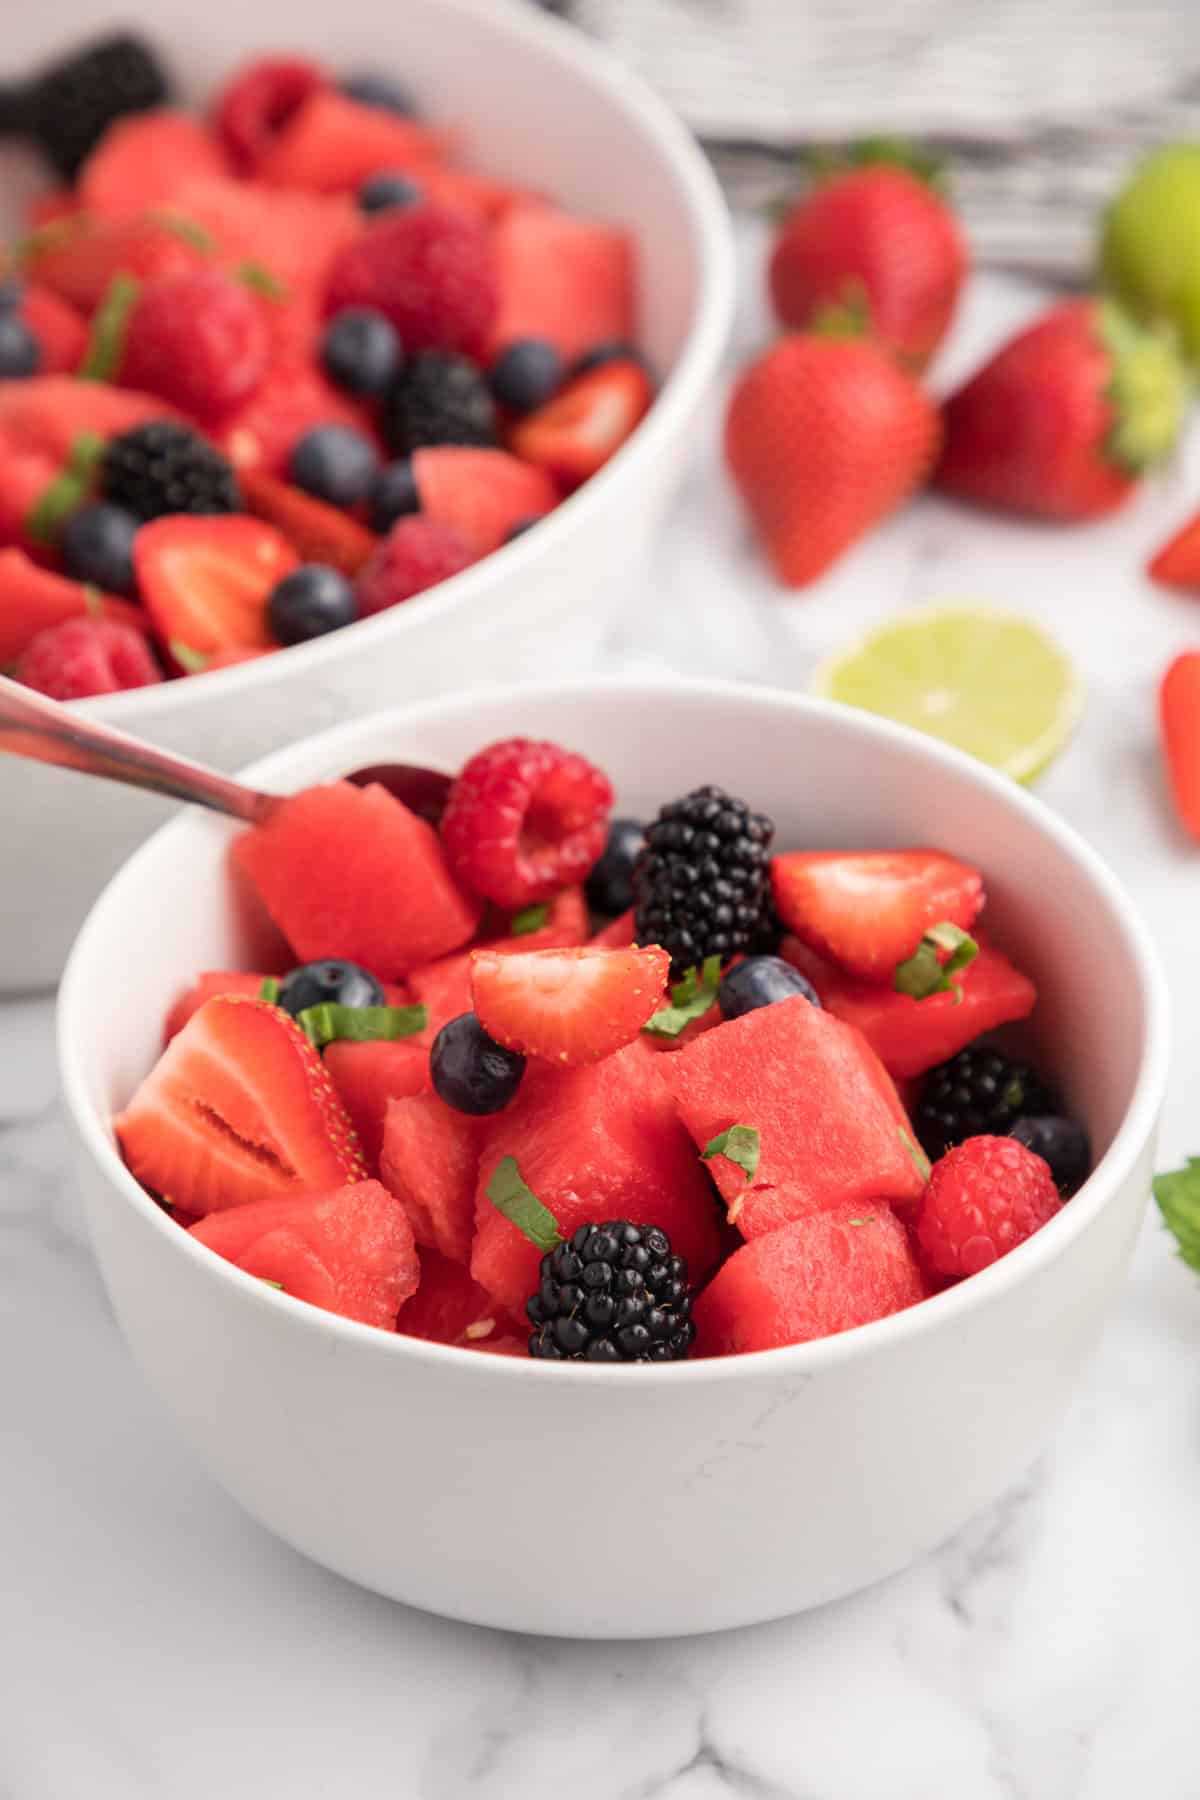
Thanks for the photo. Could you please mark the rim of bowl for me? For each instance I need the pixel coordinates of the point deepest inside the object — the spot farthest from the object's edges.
(690, 373)
(1052, 1241)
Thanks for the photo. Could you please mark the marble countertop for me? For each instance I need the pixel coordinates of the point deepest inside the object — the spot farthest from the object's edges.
(155, 1643)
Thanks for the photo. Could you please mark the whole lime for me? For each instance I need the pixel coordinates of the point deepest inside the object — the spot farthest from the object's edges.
(1150, 242)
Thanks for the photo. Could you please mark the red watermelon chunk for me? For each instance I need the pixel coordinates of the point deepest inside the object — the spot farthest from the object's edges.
(430, 1161)
(49, 412)
(480, 493)
(910, 1036)
(144, 159)
(32, 599)
(205, 986)
(444, 987)
(332, 144)
(598, 1142)
(349, 1251)
(447, 1304)
(292, 399)
(818, 1275)
(58, 328)
(618, 934)
(293, 235)
(566, 279)
(351, 872)
(830, 1124)
(369, 1076)
(78, 259)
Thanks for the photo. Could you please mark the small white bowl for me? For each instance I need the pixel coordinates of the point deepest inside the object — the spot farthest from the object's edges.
(539, 104)
(664, 1499)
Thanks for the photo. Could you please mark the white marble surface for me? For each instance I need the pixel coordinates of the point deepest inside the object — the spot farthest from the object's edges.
(155, 1643)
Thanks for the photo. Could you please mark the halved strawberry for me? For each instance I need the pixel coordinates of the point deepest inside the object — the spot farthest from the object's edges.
(1177, 564)
(567, 1006)
(444, 987)
(144, 159)
(869, 909)
(33, 599)
(257, 101)
(574, 434)
(480, 493)
(350, 1251)
(78, 257)
(238, 1107)
(317, 532)
(331, 144)
(58, 328)
(206, 580)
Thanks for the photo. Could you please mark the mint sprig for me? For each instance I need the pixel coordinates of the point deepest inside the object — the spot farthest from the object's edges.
(261, 281)
(193, 662)
(691, 998)
(509, 1195)
(1178, 1197)
(106, 342)
(57, 501)
(329, 1023)
(530, 918)
(269, 991)
(919, 1159)
(924, 973)
(740, 1145)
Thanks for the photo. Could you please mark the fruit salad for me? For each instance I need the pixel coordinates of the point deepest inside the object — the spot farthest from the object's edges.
(538, 1080)
(278, 366)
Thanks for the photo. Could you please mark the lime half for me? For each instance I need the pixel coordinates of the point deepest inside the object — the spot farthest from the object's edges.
(991, 683)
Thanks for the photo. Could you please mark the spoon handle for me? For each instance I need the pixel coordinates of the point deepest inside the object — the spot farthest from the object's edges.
(47, 731)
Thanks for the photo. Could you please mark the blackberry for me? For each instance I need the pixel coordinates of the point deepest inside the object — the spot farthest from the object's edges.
(165, 468)
(701, 883)
(613, 1293)
(69, 106)
(438, 398)
(978, 1093)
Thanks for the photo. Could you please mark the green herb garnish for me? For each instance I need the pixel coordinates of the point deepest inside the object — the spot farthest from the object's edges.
(328, 1023)
(519, 1204)
(269, 991)
(1178, 1197)
(55, 504)
(532, 918)
(106, 342)
(740, 1145)
(690, 999)
(925, 973)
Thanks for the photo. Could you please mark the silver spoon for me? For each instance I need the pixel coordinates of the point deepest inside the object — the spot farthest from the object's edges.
(47, 731)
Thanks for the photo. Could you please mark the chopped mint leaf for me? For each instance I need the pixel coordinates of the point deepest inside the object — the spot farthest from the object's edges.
(1178, 1197)
(865, 1220)
(193, 661)
(55, 504)
(925, 973)
(269, 991)
(920, 1161)
(740, 1145)
(690, 999)
(106, 342)
(532, 918)
(267, 1282)
(188, 230)
(261, 280)
(327, 1024)
(510, 1196)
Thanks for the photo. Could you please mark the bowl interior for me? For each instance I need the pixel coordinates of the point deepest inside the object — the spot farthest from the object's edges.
(827, 775)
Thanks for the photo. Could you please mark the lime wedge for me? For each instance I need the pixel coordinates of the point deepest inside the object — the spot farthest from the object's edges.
(991, 683)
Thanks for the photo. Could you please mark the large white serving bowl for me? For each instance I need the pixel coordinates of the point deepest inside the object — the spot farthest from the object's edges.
(539, 104)
(642, 1500)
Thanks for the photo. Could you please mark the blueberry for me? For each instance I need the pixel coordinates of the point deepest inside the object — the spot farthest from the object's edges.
(329, 983)
(20, 352)
(760, 981)
(1062, 1143)
(382, 91)
(526, 375)
(360, 350)
(334, 463)
(611, 350)
(379, 193)
(310, 601)
(11, 292)
(522, 526)
(97, 546)
(610, 884)
(392, 494)
(470, 1071)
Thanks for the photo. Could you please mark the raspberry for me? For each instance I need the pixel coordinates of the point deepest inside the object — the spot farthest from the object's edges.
(525, 819)
(257, 103)
(984, 1198)
(82, 657)
(198, 340)
(416, 554)
(430, 271)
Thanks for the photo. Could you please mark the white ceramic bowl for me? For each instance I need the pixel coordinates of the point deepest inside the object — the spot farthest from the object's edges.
(665, 1500)
(540, 104)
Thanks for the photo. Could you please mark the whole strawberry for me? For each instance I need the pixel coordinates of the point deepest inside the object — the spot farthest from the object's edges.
(880, 238)
(1066, 418)
(824, 437)
(198, 339)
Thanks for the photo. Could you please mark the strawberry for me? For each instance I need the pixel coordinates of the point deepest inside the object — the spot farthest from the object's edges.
(876, 236)
(481, 494)
(824, 437)
(78, 259)
(415, 555)
(83, 657)
(26, 473)
(143, 160)
(292, 399)
(256, 103)
(567, 1006)
(1177, 564)
(237, 1108)
(430, 271)
(331, 144)
(317, 532)
(197, 339)
(574, 434)
(58, 328)
(869, 909)
(568, 280)
(1063, 421)
(1179, 721)
(206, 580)
(32, 600)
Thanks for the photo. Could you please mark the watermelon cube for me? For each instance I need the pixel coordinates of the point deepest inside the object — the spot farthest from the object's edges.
(350, 1251)
(212, 981)
(910, 1036)
(480, 493)
(430, 1160)
(447, 1302)
(367, 1077)
(618, 933)
(823, 1274)
(351, 872)
(332, 144)
(830, 1124)
(562, 278)
(598, 1142)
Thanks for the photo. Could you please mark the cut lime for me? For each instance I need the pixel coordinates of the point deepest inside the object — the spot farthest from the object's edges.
(991, 683)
